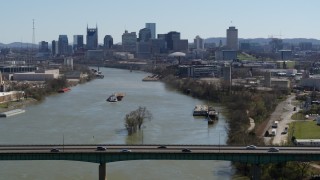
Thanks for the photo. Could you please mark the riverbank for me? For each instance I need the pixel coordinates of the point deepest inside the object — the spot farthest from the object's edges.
(17, 104)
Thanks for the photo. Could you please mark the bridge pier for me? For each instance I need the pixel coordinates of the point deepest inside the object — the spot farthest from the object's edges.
(256, 172)
(102, 171)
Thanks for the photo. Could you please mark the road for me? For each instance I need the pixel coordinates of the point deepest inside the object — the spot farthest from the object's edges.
(283, 114)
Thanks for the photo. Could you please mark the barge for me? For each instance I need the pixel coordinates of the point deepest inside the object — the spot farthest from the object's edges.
(12, 112)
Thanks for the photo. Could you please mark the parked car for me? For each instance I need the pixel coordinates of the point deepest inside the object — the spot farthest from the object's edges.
(285, 131)
(55, 150)
(186, 150)
(251, 147)
(101, 148)
(273, 149)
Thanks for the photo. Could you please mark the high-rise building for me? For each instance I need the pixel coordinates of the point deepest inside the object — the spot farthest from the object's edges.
(63, 45)
(152, 27)
(54, 48)
(43, 47)
(129, 41)
(144, 35)
(198, 42)
(92, 38)
(232, 38)
(77, 42)
(170, 37)
(107, 41)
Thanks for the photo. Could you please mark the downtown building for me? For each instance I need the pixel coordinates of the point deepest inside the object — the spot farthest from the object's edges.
(63, 45)
(198, 42)
(232, 39)
(144, 43)
(129, 41)
(108, 42)
(78, 42)
(92, 38)
(152, 27)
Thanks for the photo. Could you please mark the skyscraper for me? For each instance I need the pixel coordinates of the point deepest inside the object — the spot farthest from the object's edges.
(54, 48)
(199, 42)
(108, 42)
(77, 42)
(144, 35)
(152, 27)
(43, 47)
(129, 41)
(232, 38)
(63, 45)
(170, 37)
(92, 38)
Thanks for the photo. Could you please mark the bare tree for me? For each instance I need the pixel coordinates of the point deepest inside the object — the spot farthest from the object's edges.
(135, 119)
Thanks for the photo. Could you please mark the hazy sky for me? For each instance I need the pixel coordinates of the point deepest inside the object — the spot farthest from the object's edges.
(207, 18)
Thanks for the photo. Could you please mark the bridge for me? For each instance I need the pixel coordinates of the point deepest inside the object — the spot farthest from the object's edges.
(112, 153)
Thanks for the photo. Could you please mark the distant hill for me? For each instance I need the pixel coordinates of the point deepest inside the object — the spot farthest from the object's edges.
(262, 40)
(17, 45)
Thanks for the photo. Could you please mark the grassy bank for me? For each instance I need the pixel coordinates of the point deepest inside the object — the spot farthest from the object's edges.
(306, 129)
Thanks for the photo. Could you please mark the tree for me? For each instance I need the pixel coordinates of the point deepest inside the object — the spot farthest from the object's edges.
(135, 119)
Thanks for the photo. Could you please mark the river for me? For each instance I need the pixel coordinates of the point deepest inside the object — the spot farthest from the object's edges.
(82, 116)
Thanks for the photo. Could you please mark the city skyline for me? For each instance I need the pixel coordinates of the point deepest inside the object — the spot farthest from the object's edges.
(285, 19)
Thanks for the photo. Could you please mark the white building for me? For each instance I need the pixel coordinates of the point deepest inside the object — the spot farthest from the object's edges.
(198, 42)
(232, 38)
(39, 75)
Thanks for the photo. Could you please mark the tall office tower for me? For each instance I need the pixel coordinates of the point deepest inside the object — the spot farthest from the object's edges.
(54, 48)
(63, 45)
(144, 35)
(108, 42)
(199, 42)
(92, 38)
(232, 38)
(129, 41)
(152, 27)
(43, 46)
(77, 42)
(170, 37)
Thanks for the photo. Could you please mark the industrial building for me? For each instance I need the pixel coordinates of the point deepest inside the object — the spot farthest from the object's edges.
(39, 75)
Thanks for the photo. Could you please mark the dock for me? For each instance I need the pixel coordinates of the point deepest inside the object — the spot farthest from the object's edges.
(151, 78)
(12, 112)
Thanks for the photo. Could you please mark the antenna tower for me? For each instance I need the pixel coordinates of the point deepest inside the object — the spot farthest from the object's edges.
(33, 32)
(33, 41)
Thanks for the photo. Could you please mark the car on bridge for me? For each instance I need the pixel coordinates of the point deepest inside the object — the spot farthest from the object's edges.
(55, 150)
(162, 147)
(273, 149)
(251, 147)
(101, 148)
(126, 150)
(186, 150)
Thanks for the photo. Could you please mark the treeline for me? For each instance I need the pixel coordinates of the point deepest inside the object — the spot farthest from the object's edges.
(242, 103)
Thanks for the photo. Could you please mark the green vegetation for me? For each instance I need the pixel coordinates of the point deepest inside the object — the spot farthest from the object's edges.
(4, 105)
(306, 130)
(298, 116)
(242, 56)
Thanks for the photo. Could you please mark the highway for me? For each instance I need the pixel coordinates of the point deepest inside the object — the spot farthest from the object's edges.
(112, 148)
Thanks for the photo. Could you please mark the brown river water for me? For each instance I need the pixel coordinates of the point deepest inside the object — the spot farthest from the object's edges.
(83, 116)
